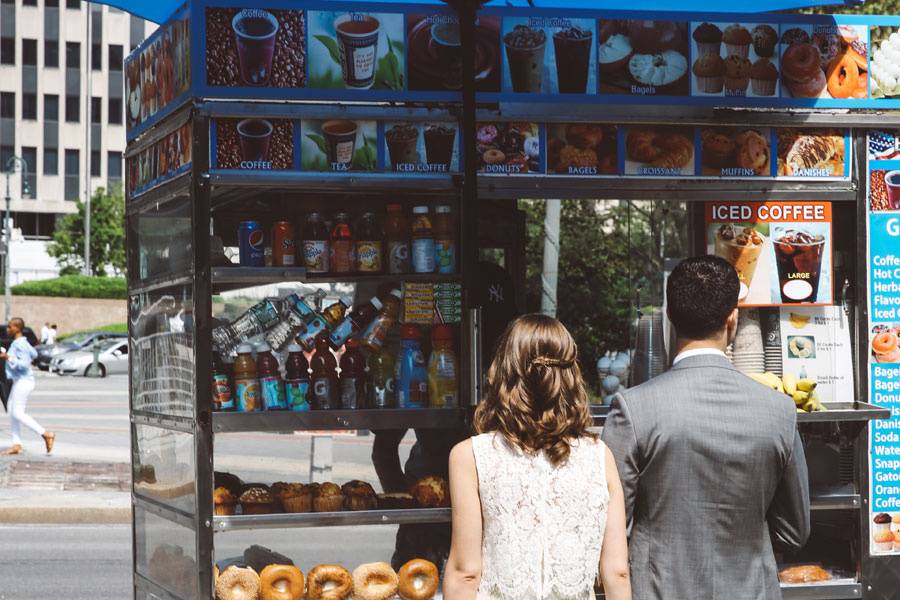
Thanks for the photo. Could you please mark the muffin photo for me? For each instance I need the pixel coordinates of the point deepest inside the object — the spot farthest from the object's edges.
(708, 38)
(884, 541)
(749, 53)
(763, 77)
(709, 73)
(737, 41)
(881, 522)
(764, 40)
(328, 498)
(737, 75)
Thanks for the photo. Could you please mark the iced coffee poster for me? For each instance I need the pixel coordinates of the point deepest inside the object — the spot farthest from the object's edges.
(815, 346)
(813, 153)
(357, 51)
(659, 151)
(338, 145)
(255, 47)
(825, 61)
(512, 148)
(415, 147)
(781, 250)
(736, 152)
(643, 58)
(582, 149)
(735, 60)
(434, 55)
(255, 143)
(549, 55)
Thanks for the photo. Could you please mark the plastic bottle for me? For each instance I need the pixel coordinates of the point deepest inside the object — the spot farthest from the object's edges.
(294, 321)
(355, 322)
(369, 245)
(316, 245)
(444, 240)
(342, 246)
(410, 373)
(325, 322)
(396, 233)
(222, 396)
(382, 392)
(270, 384)
(324, 379)
(443, 386)
(353, 377)
(246, 385)
(422, 241)
(375, 334)
(259, 318)
(296, 379)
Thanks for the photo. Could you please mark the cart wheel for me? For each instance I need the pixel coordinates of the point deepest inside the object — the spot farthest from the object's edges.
(90, 372)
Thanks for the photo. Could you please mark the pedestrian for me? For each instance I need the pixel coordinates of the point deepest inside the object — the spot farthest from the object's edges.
(712, 464)
(18, 370)
(52, 334)
(45, 333)
(536, 500)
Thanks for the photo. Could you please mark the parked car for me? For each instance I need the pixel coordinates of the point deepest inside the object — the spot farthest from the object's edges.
(46, 352)
(112, 358)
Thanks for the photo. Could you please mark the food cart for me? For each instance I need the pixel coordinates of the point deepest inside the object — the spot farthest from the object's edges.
(769, 123)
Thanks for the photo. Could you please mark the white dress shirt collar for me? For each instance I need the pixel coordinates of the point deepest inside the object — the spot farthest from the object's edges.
(698, 352)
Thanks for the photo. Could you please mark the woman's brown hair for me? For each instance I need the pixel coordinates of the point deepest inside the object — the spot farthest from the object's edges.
(536, 397)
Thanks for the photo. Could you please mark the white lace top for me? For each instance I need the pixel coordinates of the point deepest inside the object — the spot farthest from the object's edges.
(543, 525)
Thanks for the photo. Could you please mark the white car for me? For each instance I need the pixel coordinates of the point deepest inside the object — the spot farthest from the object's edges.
(112, 358)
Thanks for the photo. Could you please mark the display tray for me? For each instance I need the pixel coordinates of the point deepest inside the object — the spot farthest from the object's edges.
(837, 411)
(834, 498)
(322, 420)
(224, 278)
(332, 519)
(829, 590)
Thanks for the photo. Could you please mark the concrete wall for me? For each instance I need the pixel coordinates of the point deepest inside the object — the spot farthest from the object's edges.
(70, 314)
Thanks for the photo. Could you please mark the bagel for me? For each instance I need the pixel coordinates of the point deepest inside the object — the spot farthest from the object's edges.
(328, 582)
(374, 581)
(418, 580)
(280, 582)
(862, 89)
(884, 342)
(215, 574)
(843, 76)
(801, 62)
(237, 583)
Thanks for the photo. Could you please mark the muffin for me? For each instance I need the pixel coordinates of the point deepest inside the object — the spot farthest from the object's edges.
(895, 523)
(258, 501)
(763, 77)
(764, 39)
(431, 492)
(327, 498)
(358, 495)
(717, 148)
(884, 541)
(882, 522)
(277, 489)
(709, 71)
(737, 41)
(896, 541)
(737, 75)
(708, 38)
(295, 498)
(395, 501)
(231, 482)
(224, 501)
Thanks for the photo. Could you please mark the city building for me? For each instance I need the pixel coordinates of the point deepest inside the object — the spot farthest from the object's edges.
(62, 105)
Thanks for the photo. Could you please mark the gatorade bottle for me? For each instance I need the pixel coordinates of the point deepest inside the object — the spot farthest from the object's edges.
(325, 322)
(444, 240)
(222, 397)
(375, 334)
(316, 245)
(324, 380)
(422, 241)
(396, 233)
(443, 387)
(270, 384)
(381, 374)
(355, 322)
(353, 377)
(343, 249)
(410, 373)
(246, 385)
(296, 379)
(368, 244)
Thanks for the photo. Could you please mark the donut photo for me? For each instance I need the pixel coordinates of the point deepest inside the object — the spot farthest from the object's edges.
(660, 151)
(825, 61)
(513, 148)
(735, 152)
(811, 152)
(735, 60)
(885, 343)
(885, 61)
(582, 149)
(643, 58)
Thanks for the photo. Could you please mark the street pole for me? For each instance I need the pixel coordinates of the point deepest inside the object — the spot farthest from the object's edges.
(7, 230)
(87, 145)
(550, 271)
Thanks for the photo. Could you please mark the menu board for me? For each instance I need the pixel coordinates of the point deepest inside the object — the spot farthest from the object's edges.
(884, 334)
(164, 160)
(815, 344)
(782, 251)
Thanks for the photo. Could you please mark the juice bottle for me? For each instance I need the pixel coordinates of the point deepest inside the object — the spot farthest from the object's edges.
(396, 233)
(270, 384)
(353, 377)
(409, 373)
(443, 388)
(324, 379)
(375, 334)
(342, 246)
(422, 241)
(316, 245)
(368, 245)
(355, 322)
(222, 397)
(325, 322)
(381, 374)
(296, 379)
(246, 385)
(444, 240)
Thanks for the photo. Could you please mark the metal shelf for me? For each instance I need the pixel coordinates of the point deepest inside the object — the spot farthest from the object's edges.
(336, 420)
(241, 277)
(835, 498)
(332, 519)
(837, 411)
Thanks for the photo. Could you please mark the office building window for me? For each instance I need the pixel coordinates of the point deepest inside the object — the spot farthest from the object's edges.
(13, 2)
(76, 4)
(51, 54)
(115, 57)
(7, 106)
(97, 57)
(29, 53)
(96, 110)
(29, 106)
(73, 109)
(95, 163)
(29, 2)
(114, 168)
(51, 107)
(51, 161)
(73, 55)
(7, 51)
(30, 172)
(72, 187)
(114, 111)
(51, 3)
(6, 152)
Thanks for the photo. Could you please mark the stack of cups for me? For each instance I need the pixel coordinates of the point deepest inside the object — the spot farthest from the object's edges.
(650, 350)
(749, 353)
(770, 321)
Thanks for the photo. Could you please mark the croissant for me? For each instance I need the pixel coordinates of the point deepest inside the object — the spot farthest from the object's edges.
(641, 145)
(675, 151)
(809, 151)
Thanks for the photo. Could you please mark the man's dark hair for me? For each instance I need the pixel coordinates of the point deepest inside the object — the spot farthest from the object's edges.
(18, 322)
(700, 294)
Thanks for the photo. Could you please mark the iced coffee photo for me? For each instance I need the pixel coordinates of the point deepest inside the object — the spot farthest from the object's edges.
(549, 55)
(742, 247)
(421, 147)
(798, 256)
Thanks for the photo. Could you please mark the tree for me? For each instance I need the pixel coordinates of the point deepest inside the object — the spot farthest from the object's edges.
(107, 235)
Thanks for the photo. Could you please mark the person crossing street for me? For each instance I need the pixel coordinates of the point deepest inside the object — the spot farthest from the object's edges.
(18, 370)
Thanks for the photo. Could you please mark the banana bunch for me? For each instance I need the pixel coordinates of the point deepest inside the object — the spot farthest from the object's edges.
(801, 391)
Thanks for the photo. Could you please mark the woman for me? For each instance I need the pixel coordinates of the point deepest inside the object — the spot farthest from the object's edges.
(18, 369)
(537, 501)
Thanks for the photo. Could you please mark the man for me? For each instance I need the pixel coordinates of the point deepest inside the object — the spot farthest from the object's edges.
(712, 465)
(45, 332)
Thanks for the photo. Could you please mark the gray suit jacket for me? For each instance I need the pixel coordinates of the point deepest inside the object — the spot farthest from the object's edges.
(714, 475)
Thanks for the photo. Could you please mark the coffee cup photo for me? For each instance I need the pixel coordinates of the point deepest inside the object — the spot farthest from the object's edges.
(338, 145)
